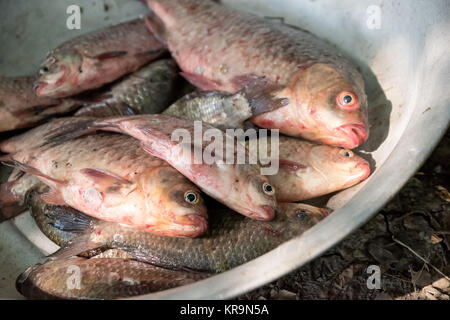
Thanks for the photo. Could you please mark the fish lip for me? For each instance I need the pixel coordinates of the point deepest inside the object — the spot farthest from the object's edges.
(266, 214)
(355, 134)
(365, 168)
(38, 87)
(200, 224)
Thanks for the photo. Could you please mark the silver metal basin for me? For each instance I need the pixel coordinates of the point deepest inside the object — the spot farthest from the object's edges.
(402, 49)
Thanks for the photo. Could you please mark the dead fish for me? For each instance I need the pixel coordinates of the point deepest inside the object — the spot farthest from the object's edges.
(221, 109)
(94, 59)
(21, 108)
(110, 177)
(12, 194)
(148, 90)
(308, 170)
(219, 48)
(106, 278)
(241, 187)
(231, 240)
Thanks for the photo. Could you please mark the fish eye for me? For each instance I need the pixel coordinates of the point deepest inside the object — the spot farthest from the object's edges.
(347, 100)
(301, 214)
(44, 70)
(346, 153)
(191, 197)
(268, 189)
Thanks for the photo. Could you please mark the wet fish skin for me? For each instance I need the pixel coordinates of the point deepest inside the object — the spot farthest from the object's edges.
(21, 108)
(239, 186)
(13, 192)
(327, 97)
(231, 240)
(94, 59)
(309, 170)
(105, 278)
(224, 110)
(146, 91)
(110, 177)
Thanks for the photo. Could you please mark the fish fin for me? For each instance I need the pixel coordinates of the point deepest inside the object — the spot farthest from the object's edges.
(201, 81)
(77, 223)
(78, 128)
(291, 165)
(157, 28)
(159, 144)
(244, 79)
(104, 179)
(34, 110)
(152, 53)
(8, 160)
(156, 152)
(11, 205)
(53, 197)
(259, 94)
(110, 55)
(77, 246)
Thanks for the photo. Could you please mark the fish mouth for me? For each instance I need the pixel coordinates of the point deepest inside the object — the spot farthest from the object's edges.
(266, 213)
(364, 168)
(38, 87)
(353, 135)
(193, 225)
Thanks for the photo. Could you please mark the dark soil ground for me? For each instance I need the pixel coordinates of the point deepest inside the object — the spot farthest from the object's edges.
(409, 239)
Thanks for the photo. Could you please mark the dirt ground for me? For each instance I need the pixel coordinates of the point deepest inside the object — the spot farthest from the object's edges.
(409, 239)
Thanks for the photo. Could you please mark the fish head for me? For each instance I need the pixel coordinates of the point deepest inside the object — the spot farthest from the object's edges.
(258, 195)
(174, 202)
(341, 168)
(300, 216)
(330, 105)
(58, 73)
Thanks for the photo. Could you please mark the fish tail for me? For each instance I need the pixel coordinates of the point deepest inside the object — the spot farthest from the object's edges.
(78, 223)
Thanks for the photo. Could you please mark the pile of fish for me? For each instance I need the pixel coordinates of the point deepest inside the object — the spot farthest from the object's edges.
(103, 178)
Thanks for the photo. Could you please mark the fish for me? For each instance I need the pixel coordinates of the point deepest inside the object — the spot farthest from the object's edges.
(21, 108)
(309, 170)
(220, 48)
(99, 279)
(221, 109)
(146, 91)
(241, 187)
(109, 176)
(13, 192)
(91, 60)
(231, 240)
